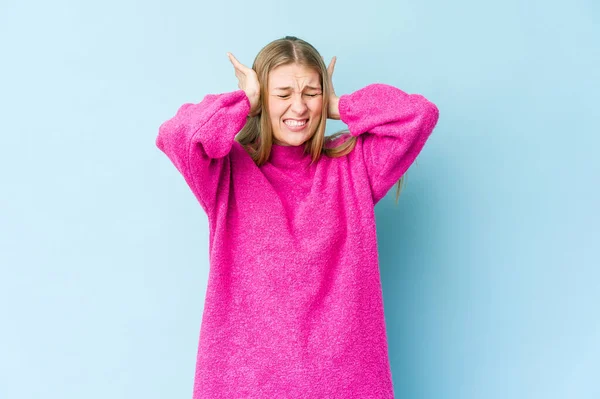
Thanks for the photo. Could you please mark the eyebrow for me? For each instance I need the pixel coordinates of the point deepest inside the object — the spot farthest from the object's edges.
(290, 88)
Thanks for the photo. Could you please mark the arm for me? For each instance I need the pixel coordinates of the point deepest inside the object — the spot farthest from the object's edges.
(393, 127)
(199, 138)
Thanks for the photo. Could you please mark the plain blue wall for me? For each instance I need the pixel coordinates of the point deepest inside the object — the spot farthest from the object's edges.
(489, 263)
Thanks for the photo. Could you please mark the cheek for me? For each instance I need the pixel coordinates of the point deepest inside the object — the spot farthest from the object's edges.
(316, 106)
(276, 109)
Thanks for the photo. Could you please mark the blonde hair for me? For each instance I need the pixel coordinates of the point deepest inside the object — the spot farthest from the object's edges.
(257, 137)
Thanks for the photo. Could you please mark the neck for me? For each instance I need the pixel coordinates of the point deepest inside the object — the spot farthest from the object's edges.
(289, 155)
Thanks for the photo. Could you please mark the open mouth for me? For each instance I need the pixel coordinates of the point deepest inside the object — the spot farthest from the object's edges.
(294, 123)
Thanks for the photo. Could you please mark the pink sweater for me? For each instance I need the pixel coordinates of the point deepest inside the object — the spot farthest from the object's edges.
(294, 305)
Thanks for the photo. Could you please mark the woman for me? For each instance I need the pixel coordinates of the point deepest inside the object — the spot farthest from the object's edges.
(294, 306)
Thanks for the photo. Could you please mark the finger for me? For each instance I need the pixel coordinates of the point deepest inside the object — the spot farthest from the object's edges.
(234, 61)
(237, 64)
(240, 74)
(331, 66)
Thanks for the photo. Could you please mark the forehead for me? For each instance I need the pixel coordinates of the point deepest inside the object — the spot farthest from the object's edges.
(293, 75)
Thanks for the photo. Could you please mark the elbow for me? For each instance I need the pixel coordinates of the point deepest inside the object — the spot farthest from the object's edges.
(162, 136)
(429, 115)
(433, 114)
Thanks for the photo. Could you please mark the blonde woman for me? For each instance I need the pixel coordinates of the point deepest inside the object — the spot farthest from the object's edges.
(294, 306)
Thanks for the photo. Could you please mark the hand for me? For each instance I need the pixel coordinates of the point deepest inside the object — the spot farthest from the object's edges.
(247, 81)
(333, 111)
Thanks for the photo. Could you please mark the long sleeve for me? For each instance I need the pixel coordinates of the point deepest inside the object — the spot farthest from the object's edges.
(392, 126)
(198, 140)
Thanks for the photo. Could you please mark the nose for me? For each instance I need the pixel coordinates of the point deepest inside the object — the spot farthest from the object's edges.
(298, 104)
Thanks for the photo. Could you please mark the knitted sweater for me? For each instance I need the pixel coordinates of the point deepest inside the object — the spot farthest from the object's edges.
(294, 305)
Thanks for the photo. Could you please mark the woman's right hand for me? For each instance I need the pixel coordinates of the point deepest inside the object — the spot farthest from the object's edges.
(248, 82)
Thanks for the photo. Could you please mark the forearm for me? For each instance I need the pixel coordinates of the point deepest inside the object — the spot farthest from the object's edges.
(386, 110)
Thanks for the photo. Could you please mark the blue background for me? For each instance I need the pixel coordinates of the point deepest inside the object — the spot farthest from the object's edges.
(490, 262)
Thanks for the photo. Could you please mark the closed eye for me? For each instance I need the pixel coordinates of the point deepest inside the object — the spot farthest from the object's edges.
(287, 96)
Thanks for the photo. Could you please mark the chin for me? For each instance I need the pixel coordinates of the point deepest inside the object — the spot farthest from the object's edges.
(291, 138)
(296, 140)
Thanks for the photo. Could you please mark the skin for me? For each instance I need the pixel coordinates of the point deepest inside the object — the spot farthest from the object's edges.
(294, 93)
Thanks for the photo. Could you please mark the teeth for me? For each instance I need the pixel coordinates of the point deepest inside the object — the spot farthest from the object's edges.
(290, 122)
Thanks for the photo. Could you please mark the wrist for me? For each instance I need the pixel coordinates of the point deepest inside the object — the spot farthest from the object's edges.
(334, 108)
(254, 100)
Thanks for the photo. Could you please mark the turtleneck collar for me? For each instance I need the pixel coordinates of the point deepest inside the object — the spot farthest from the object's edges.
(289, 155)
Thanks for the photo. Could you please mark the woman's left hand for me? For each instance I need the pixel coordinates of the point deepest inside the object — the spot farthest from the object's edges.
(333, 111)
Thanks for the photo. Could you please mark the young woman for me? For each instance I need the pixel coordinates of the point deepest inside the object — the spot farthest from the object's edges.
(294, 306)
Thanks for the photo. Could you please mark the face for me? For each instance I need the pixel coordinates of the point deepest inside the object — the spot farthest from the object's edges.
(295, 103)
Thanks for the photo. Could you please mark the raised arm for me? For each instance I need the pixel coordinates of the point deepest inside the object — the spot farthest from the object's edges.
(393, 127)
(198, 140)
